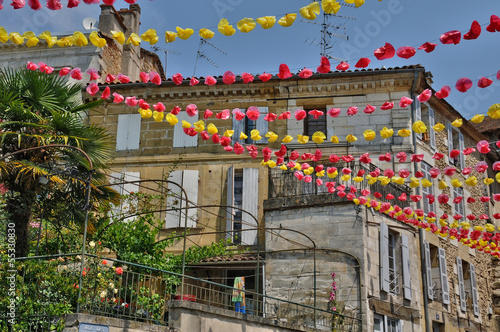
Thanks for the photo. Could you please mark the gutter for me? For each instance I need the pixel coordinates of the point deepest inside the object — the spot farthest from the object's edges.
(420, 231)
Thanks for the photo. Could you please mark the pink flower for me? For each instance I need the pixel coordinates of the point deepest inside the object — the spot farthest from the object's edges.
(110, 78)
(300, 115)
(177, 79)
(334, 112)
(64, 71)
(210, 80)
(483, 147)
(92, 89)
(194, 81)
(118, 98)
(176, 110)
(444, 92)
(143, 104)
(463, 84)
(305, 73)
(119, 270)
(265, 77)
(342, 66)
(31, 66)
(238, 149)
(144, 77)
(405, 102)
(224, 115)
(362, 63)
(406, 52)
(316, 114)
(106, 93)
(159, 107)
(253, 113)
(192, 110)
(285, 115)
(123, 78)
(424, 96)
(428, 47)
(104, 262)
(324, 68)
(284, 72)
(228, 77)
(94, 75)
(76, 74)
(247, 78)
(131, 101)
(353, 110)
(369, 109)
(385, 52)
(387, 106)
(155, 78)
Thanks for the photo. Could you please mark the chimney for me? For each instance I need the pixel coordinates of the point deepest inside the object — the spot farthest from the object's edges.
(131, 56)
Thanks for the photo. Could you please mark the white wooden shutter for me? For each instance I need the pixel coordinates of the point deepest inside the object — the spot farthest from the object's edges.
(461, 146)
(128, 133)
(461, 287)
(418, 114)
(432, 132)
(230, 202)
(293, 126)
(405, 253)
(238, 127)
(450, 140)
(330, 129)
(428, 271)
(262, 125)
(174, 200)
(190, 184)
(384, 257)
(180, 137)
(445, 288)
(473, 285)
(250, 201)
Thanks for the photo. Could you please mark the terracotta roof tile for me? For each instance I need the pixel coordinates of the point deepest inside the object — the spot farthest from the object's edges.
(487, 125)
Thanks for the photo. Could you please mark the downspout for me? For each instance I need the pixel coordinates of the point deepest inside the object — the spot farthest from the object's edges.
(420, 231)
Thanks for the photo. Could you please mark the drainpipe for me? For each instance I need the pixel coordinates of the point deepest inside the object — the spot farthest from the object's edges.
(420, 231)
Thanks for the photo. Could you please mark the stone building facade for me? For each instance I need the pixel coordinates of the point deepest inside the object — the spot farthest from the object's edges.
(391, 274)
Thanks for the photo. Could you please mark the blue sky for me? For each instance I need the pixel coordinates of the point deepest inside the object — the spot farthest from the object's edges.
(399, 22)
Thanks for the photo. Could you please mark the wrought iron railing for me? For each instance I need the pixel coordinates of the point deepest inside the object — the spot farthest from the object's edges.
(135, 292)
(285, 184)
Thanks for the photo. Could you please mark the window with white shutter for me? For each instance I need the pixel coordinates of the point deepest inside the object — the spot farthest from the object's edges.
(449, 128)
(181, 139)
(128, 132)
(239, 127)
(473, 284)
(461, 286)
(330, 124)
(428, 271)
(384, 257)
(405, 253)
(432, 132)
(459, 208)
(461, 147)
(250, 201)
(230, 202)
(418, 114)
(246, 126)
(425, 168)
(445, 288)
(262, 125)
(125, 189)
(176, 199)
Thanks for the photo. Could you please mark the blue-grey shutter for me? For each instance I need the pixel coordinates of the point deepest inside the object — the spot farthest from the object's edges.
(450, 140)
(405, 253)
(294, 127)
(128, 133)
(418, 114)
(432, 132)
(461, 146)
(190, 179)
(384, 257)
(473, 285)
(262, 125)
(174, 200)
(238, 127)
(230, 202)
(445, 288)
(461, 287)
(330, 122)
(180, 137)
(428, 271)
(129, 188)
(250, 201)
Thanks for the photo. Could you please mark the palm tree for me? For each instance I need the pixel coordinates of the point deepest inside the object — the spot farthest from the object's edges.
(38, 109)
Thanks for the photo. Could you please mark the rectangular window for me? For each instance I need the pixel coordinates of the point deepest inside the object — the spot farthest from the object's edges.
(393, 274)
(246, 126)
(312, 125)
(425, 168)
(437, 277)
(128, 132)
(124, 186)
(176, 200)
(459, 208)
(426, 114)
(386, 324)
(467, 283)
(456, 142)
(181, 139)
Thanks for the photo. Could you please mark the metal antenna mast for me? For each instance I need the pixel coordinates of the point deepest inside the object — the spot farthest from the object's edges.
(159, 49)
(330, 31)
(201, 54)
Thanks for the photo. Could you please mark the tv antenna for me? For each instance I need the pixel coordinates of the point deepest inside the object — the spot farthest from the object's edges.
(90, 23)
(330, 32)
(159, 49)
(201, 54)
